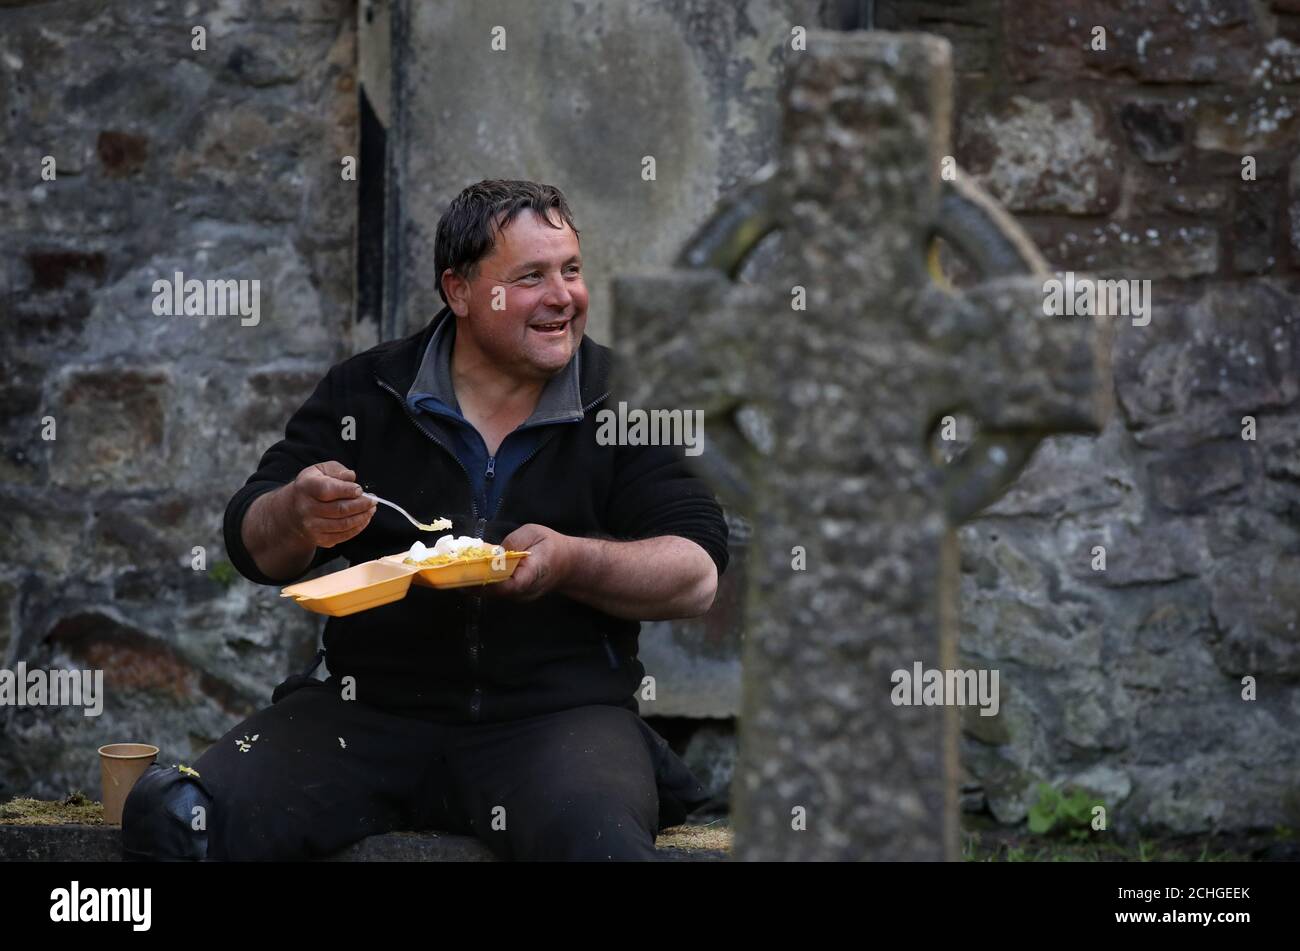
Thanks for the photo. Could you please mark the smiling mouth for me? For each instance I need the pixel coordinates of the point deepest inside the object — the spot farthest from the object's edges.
(553, 327)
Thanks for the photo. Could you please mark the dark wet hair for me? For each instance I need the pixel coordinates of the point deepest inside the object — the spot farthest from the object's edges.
(468, 228)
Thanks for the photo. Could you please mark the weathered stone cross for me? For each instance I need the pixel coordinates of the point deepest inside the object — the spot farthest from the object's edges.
(837, 403)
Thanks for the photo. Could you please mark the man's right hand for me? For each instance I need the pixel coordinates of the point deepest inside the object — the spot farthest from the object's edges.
(327, 506)
(321, 508)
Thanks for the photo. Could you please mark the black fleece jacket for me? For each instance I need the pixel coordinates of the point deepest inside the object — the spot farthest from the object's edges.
(456, 656)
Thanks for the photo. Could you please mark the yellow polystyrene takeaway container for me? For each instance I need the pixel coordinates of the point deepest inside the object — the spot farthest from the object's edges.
(359, 588)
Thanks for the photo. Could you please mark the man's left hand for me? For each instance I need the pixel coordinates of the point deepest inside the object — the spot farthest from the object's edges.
(546, 567)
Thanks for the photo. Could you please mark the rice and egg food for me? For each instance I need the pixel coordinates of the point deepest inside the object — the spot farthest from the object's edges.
(449, 549)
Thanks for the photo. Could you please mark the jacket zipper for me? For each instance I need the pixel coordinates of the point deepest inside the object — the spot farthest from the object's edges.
(609, 649)
(473, 624)
(476, 601)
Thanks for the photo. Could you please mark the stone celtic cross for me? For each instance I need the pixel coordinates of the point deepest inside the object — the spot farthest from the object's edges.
(834, 405)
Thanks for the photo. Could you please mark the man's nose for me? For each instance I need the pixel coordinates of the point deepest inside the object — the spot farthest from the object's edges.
(557, 292)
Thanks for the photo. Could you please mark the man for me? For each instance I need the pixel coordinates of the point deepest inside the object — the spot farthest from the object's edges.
(506, 710)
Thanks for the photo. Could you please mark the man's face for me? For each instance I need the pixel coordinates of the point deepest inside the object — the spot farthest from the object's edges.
(542, 297)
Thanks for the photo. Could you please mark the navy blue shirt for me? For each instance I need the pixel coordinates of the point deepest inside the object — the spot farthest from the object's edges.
(432, 392)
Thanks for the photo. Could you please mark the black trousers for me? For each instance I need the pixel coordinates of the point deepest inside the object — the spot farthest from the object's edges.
(315, 772)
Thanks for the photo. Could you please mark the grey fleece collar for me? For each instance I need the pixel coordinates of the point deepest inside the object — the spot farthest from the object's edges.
(561, 399)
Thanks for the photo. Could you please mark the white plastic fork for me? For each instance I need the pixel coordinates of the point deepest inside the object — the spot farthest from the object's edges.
(440, 525)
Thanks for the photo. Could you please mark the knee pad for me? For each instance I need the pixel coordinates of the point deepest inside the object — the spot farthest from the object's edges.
(165, 817)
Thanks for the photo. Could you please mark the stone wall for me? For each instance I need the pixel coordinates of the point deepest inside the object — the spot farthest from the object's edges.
(225, 163)
(1129, 161)
(218, 163)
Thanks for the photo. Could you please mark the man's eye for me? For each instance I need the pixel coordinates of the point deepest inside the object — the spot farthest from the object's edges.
(574, 269)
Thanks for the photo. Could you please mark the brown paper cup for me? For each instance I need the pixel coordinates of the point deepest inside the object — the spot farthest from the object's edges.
(120, 765)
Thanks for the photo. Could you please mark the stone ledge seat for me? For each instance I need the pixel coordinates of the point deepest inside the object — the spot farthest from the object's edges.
(90, 842)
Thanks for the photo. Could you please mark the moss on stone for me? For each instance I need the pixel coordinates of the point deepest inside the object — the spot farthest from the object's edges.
(75, 809)
(709, 837)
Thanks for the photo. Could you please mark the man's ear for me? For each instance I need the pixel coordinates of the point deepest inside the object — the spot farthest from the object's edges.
(457, 290)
